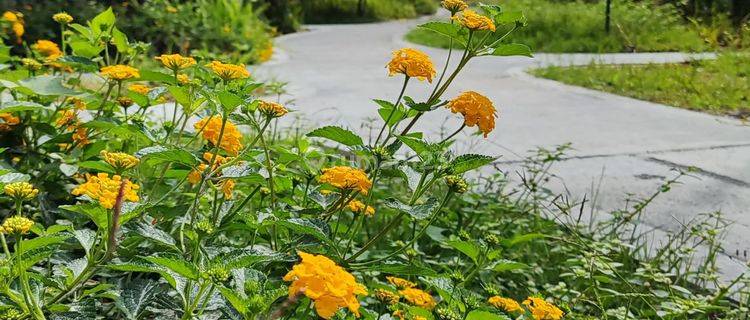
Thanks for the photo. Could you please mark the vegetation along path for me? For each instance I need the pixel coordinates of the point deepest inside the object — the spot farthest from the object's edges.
(622, 147)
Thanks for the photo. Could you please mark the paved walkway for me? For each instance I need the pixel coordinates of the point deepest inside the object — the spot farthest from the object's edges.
(622, 145)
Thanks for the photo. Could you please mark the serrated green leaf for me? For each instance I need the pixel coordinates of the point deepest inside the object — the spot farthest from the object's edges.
(94, 211)
(16, 106)
(467, 162)
(485, 315)
(160, 154)
(44, 241)
(512, 49)
(419, 212)
(86, 238)
(401, 269)
(46, 85)
(177, 264)
(508, 265)
(99, 166)
(470, 249)
(454, 31)
(103, 22)
(516, 240)
(337, 134)
(313, 227)
(150, 232)
(135, 296)
(243, 258)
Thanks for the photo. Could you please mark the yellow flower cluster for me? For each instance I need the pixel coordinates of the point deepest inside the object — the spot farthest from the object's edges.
(210, 128)
(386, 296)
(418, 298)
(357, 206)
(475, 21)
(344, 177)
(120, 72)
(20, 190)
(105, 189)
(183, 78)
(400, 283)
(62, 17)
(454, 5)
(80, 136)
(227, 186)
(506, 304)
(31, 64)
(476, 109)
(9, 121)
(272, 109)
(412, 63)
(139, 88)
(229, 71)
(119, 160)
(195, 175)
(175, 61)
(327, 284)
(48, 49)
(542, 310)
(16, 23)
(16, 225)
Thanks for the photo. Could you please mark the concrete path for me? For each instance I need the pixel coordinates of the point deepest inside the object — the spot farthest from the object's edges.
(624, 146)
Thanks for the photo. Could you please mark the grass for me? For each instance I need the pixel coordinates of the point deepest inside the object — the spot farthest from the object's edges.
(720, 86)
(578, 26)
(346, 11)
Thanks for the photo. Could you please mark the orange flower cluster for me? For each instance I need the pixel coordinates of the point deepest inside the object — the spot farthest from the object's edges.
(327, 284)
(272, 109)
(16, 23)
(357, 206)
(48, 49)
(210, 128)
(344, 177)
(506, 304)
(476, 109)
(475, 21)
(412, 63)
(139, 88)
(175, 61)
(195, 176)
(418, 298)
(8, 122)
(228, 71)
(105, 189)
(120, 72)
(542, 310)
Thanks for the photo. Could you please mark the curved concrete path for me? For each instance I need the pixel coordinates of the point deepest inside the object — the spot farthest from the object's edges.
(622, 145)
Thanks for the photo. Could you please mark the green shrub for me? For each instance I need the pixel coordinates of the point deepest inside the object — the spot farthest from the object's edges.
(577, 26)
(347, 11)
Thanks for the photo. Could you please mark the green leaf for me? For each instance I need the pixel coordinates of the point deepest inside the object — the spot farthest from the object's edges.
(120, 40)
(337, 134)
(485, 315)
(79, 63)
(419, 147)
(86, 238)
(11, 177)
(160, 154)
(103, 22)
(135, 296)
(150, 232)
(44, 241)
(229, 101)
(421, 107)
(313, 227)
(16, 106)
(85, 49)
(243, 258)
(176, 264)
(510, 17)
(156, 76)
(234, 299)
(521, 239)
(467, 162)
(180, 95)
(419, 212)
(94, 211)
(46, 85)
(508, 265)
(99, 166)
(401, 269)
(451, 30)
(470, 249)
(512, 49)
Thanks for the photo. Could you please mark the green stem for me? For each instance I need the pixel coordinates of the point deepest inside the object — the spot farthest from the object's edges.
(395, 107)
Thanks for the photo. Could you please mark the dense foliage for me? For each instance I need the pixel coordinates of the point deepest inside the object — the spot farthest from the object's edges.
(135, 192)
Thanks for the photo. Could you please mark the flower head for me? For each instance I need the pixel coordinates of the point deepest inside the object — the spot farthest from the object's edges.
(327, 284)
(8, 122)
(175, 61)
(344, 177)
(227, 186)
(210, 129)
(139, 88)
(31, 64)
(476, 109)
(506, 304)
(16, 225)
(105, 189)
(272, 109)
(183, 78)
(357, 206)
(228, 71)
(386, 296)
(62, 18)
(418, 298)
(542, 310)
(456, 184)
(400, 283)
(119, 160)
(474, 21)
(20, 190)
(16, 21)
(120, 72)
(454, 5)
(80, 136)
(412, 63)
(48, 49)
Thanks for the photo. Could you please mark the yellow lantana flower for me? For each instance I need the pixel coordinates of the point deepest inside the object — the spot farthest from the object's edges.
(412, 63)
(542, 310)
(400, 283)
(119, 160)
(272, 109)
(48, 49)
(387, 297)
(227, 187)
(454, 5)
(418, 298)
(105, 189)
(175, 61)
(474, 21)
(476, 109)
(357, 206)
(506, 304)
(344, 177)
(8, 122)
(62, 18)
(139, 88)
(16, 225)
(229, 71)
(120, 72)
(20, 190)
(183, 78)
(327, 284)
(210, 129)
(16, 21)
(68, 119)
